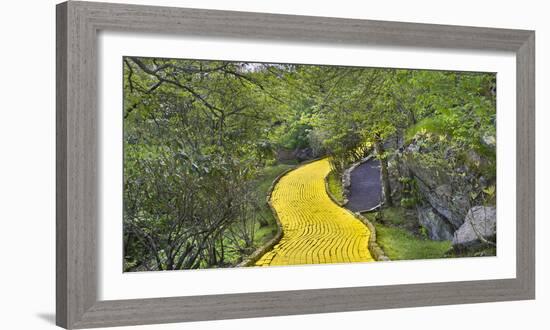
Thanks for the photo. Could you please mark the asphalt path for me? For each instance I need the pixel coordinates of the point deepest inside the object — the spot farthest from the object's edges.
(366, 187)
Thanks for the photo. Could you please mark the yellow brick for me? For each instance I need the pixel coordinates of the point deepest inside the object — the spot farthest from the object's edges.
(315, 229)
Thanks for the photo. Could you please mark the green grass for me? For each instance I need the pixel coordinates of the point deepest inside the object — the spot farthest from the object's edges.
(263, 183)
(335, 186)
(483, 250)
(394, 216)
(401, 244)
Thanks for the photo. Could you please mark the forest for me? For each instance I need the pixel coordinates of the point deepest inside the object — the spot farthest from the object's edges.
(211, 149)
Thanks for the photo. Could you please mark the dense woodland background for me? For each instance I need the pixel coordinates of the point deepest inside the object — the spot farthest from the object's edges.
(203, 141)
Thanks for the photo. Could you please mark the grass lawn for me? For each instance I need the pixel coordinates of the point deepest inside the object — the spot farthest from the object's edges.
(401, 244)
(335, 186)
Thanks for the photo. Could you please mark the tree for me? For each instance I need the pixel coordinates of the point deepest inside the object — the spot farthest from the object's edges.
(193, 133)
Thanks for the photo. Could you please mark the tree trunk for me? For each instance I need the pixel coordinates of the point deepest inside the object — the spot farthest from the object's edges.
(384, 175)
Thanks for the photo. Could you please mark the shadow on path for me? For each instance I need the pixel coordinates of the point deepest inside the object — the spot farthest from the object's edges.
(366, 188)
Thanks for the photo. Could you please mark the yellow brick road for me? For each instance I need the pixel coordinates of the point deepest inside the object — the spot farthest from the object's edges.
(315, 229)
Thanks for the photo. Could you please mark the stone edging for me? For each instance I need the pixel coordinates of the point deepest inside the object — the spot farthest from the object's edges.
(256, 255)
(374, 249)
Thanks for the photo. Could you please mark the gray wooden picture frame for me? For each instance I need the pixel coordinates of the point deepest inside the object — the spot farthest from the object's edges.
(78, 24)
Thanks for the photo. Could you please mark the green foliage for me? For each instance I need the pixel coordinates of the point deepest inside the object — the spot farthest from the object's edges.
(394, 216)
(434, 125)
(410, 196)
(458, 128)
(190, 162)
(296, 135)
(267, 227)
(334, 183)
(423, 232)
(408, 202)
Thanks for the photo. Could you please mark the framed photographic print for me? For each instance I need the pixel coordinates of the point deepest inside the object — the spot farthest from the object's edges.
(216, 165)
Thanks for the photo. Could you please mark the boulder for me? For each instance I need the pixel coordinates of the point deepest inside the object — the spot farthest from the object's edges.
(438, 228)
(480, 221)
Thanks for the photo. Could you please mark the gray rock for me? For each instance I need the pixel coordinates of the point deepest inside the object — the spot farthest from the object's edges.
(450, 204)
(481, 221)
(444, 190)
(489, 140)
(438, 228)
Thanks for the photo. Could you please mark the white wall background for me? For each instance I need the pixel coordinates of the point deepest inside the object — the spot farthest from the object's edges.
(27, 165)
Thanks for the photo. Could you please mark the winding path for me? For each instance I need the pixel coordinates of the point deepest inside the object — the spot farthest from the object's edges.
(316, 230)
(366, 187)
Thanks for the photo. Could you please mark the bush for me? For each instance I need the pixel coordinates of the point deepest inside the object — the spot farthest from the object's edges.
(408, 202)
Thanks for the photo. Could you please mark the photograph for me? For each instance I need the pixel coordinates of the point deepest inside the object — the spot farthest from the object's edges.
(247, 164)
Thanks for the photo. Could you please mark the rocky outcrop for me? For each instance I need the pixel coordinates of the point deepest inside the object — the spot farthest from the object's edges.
(438, 228)
(479, 227)
(443, 191)
(446, 194)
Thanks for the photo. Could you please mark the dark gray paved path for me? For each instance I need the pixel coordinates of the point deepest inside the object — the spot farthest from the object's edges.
(366, 188)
